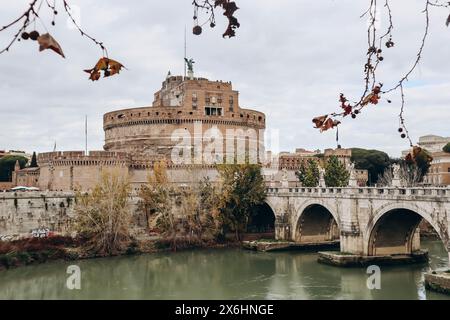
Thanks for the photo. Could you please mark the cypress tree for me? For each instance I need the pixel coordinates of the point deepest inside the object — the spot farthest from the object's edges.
(34, 163)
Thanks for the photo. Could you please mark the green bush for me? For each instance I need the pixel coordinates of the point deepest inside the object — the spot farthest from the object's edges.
(39, 250)
(24, 258)
(7, 164)
(374, 161)
(133, 248)
(162, 244)
(446, 148)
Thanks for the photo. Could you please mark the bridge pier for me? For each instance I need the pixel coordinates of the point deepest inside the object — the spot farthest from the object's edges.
(351, 242)
(282, 231)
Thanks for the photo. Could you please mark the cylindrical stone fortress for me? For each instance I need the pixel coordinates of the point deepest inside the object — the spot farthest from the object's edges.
(184, 108)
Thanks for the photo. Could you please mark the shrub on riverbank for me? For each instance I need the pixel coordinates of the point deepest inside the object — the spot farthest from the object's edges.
(104, 216)
(37, 250)
(186, 244)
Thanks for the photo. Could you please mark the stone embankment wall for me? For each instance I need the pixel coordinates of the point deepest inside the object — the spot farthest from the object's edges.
(38, 214)
(35, 213)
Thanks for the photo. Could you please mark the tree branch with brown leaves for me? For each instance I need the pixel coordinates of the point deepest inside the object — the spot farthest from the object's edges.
(209, 7)
(33, 13)
(373, 89)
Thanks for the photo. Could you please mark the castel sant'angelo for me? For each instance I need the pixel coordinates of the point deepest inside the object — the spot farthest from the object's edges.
(192, 112)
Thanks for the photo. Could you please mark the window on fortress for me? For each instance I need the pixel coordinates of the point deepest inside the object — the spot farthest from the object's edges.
(212, 111)
(231, 101)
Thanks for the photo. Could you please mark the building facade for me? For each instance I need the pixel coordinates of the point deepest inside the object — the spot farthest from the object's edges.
(433, 143)
(192, 125)
(344, 155)
(293, 161)
(439, 172)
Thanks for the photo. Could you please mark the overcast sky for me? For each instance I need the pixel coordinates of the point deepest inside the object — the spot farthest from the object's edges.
(290, 60)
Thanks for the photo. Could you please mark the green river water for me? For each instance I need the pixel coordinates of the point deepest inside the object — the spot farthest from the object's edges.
(219, 274)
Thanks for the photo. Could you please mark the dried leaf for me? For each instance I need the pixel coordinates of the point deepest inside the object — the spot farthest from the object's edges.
(366, 100)
(319, 121)
(109, 67)
(347, 109)
(372, 98)
(327, 125)
(418, 153)
(229, 8)
(46, 41)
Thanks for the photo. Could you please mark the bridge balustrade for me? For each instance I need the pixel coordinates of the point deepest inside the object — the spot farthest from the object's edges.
(373, 191)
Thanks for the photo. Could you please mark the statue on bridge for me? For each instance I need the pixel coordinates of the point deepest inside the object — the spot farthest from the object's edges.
(284, 178)
(396, 181)
(322, 177)
(353, 182)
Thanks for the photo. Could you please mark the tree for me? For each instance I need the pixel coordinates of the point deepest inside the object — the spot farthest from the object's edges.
(385, 179)
(243, 187)
(157, 204)
(197, 218)
(309, 174)
(7, 164)
(104, 215)
(409, 175)
(374, 161)
(446, 148)
(204, 219)
(199, 208)
(34, 163)
(420, 158)
(155, 195)
(336, 175)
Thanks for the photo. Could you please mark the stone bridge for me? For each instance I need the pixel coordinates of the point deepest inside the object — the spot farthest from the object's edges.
(368, 221)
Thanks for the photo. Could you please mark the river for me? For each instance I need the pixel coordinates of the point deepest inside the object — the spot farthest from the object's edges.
(219, 274)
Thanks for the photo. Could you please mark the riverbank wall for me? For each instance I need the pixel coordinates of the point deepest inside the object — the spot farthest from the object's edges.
(341, 259)
(35, 214)
(40, 214)
(438, 281)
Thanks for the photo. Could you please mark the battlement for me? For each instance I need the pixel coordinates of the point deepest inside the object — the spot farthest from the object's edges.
(164, 115)
(338, 152)
(61, 158)
(176, 80)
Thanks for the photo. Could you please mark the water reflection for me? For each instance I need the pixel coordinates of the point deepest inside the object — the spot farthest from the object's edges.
(219, 274)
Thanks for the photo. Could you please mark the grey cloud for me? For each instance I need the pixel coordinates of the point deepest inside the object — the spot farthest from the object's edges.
(290, 59)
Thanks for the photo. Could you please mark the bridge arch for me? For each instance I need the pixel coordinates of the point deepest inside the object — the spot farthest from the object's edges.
(315, 222)
(393, 229)
(262, 220)
(271, 204)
